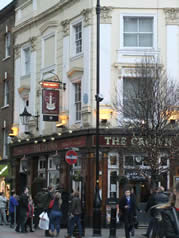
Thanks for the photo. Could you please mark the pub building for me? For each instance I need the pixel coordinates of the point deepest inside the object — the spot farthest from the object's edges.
(44, 159)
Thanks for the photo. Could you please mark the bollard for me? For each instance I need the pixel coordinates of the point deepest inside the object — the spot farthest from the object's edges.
(112, 229)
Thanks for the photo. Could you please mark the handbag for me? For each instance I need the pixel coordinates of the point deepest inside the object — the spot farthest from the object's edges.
(51, 203)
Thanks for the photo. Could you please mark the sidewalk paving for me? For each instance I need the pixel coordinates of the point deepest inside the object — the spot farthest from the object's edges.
(7, 232)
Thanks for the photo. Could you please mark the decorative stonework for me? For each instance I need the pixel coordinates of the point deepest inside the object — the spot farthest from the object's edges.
(47, 25)
(33, 43)
(87, 15)
(106, 15)
(172, 15)
(17, 51)
(66, 27)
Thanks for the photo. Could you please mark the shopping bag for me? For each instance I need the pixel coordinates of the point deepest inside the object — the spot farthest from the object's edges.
(44, 221)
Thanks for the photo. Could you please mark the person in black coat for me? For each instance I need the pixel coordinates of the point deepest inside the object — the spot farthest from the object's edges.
(127, 206)
(167, 223)
(22, 211)
(158, 197)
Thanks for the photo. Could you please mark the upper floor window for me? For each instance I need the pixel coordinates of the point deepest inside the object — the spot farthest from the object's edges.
(138, 31)
(6, 92)
(5, 143)
(7, 44)
(77, 38)
(26, 56)
(78, 101)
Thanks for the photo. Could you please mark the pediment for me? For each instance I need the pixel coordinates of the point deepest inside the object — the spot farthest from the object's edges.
(75, 71)
(47, 25)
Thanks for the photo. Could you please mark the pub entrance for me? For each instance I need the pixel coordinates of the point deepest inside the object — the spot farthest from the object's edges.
(142, 192)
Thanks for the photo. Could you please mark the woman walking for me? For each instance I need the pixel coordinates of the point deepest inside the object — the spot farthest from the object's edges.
(55, 216)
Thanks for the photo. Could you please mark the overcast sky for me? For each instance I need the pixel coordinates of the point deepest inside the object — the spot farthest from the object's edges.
(4, 3)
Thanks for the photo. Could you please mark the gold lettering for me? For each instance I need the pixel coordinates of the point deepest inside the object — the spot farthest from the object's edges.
(123, 141)
(107, 138)
(115, 141)
(141, 141)
(134, 140)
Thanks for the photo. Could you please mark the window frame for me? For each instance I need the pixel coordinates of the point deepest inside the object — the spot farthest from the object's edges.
(5, 143)
(122, 16)
(6, 92)
(77, 100)
(74, 46)
(7, 41)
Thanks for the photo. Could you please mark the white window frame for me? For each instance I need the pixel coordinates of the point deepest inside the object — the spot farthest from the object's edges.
(138, 16)
(113, 168)
(6, 93)
(77, 103)
(26, 70)
(7, 44)
(74, 52)
(43, 50)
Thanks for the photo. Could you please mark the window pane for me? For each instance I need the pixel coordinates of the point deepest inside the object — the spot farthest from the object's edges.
(130, 24)
(146, 40)
(113, 160)
(130, 40)
(145, 24)
(78, 37)
(129, 161)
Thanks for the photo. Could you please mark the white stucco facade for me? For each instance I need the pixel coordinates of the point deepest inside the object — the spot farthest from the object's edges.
(47, 28)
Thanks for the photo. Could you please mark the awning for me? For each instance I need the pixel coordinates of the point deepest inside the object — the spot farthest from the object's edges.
(3, 170)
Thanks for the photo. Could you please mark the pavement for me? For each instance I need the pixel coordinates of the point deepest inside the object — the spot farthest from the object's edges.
(7, 232)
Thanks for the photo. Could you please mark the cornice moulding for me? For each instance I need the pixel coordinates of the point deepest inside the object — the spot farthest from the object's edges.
(61, 4)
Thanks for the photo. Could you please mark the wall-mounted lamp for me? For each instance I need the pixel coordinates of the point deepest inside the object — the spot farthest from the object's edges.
(24, 164)
(14, 131)
(25, 118)
(63, 120)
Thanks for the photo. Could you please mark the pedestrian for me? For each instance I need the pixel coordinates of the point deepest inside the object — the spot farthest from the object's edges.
(30, 213)
(167, 223)
(158, 197)
(3, 205)
(42, 200)
(23, 209)
(75, 215)
(55, 215)
(13, 203)
(127, 206)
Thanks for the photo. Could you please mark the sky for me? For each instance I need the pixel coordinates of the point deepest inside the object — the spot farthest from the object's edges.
(4, 3)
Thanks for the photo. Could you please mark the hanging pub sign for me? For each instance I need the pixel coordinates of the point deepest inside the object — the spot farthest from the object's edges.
(50, 105)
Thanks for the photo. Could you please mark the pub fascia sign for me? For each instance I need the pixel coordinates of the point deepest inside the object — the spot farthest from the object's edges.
(133, 141)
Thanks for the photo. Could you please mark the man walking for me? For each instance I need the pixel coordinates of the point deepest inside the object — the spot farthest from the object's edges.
(23, 208)
(75, 216)
(3, 205)
(127, 206)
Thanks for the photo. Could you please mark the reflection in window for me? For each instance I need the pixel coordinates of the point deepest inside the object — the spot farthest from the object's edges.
(113, 160)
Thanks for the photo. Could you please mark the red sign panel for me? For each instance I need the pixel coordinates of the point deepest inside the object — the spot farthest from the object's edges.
(71, 157)
(50, 102)
(46, 84)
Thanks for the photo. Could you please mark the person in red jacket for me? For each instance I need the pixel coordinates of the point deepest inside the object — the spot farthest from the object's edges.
(30, 214)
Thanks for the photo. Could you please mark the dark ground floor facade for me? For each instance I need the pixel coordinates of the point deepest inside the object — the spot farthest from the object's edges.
(118, 157)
